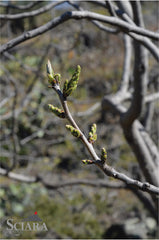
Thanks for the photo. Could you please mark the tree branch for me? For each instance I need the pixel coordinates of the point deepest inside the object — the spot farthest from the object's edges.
(126, 27)
(13, 122)
(109, 171)
(32, 13)
(92, 183)
(136, 137)
(143, 40)
(129, 181)
(20, 7)
(89, 111)
(110, 8)
(152, 97)
(147, 43)
(126, 66)
(140, 78)
(96, 23)
(18, 177)
(124, 7)
(116, 22)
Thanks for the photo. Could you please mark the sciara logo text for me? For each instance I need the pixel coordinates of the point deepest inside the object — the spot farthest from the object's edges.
(17, 227)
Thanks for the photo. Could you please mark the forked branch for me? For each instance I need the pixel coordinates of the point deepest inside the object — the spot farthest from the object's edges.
(101, 162)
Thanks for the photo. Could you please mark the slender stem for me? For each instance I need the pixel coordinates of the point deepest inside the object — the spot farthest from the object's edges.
(74, 124)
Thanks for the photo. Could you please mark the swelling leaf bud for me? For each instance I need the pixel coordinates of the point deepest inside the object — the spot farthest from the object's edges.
(87, 161)
(58, 112)
(72, 84)
(92, 134)
(104, 155)
(94, 128)
(50, 72)
(75, 132)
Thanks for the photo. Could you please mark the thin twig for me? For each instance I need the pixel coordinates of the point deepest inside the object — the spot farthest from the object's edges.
(96, 23)
(124, 26)
(32, 13)
(20, 7)
(126, 66)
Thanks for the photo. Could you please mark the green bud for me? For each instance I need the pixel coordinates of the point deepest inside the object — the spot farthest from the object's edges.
(58, 112)
(104, 155)
(87, 161)
(50, 72)
(92, 134)
(94, 128)
(75, 132)
(72, 84)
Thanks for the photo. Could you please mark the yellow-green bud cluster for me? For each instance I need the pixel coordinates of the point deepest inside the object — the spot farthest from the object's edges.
(87, 161)
(103, 155)
(92, 134)
(75, 132)
(70, 86)
(52, 78)
(58, 112)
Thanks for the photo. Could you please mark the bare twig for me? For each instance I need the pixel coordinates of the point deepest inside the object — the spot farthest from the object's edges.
(152, 97)
(132, 132)
(96, 23)
(18, 177)
(124, 7)
(147, 43)
(13, 126)
(116, 22)
(89, 111)
(126, 27)
(137, 12)
(20, 7)
(93, 183)
(143, 40)
(136, 137)
(140, 77)
(32, 13)
(127, 63)
(105, 28)
(149, 116)
(110, 8)
(129, 181)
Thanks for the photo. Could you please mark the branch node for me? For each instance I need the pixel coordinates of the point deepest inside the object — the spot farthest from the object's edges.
(146, 185)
